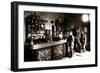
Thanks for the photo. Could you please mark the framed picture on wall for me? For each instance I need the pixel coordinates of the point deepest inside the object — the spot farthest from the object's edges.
(52, 36)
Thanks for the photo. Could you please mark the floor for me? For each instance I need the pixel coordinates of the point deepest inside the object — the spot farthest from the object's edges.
(78, 59)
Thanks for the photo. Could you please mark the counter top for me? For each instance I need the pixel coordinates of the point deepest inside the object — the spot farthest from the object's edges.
(48, 44)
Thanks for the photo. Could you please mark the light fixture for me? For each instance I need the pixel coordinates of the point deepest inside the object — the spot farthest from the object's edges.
(85, 18)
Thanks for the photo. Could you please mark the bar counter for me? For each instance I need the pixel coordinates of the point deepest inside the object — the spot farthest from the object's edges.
(54, 50)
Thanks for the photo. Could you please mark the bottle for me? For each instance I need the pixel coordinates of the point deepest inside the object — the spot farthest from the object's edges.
(31, 43)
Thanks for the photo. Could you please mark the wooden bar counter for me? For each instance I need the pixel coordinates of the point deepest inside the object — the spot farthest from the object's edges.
(49, 51)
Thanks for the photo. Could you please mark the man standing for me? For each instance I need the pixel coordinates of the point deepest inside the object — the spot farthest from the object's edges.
(77, 43)
(70, 44)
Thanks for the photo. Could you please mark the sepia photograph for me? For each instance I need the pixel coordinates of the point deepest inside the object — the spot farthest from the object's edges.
(56, 36)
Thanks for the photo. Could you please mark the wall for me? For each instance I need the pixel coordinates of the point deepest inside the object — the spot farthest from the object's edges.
(5, 17)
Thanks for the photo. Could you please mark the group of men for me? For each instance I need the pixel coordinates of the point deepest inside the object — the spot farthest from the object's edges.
(76, 41)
